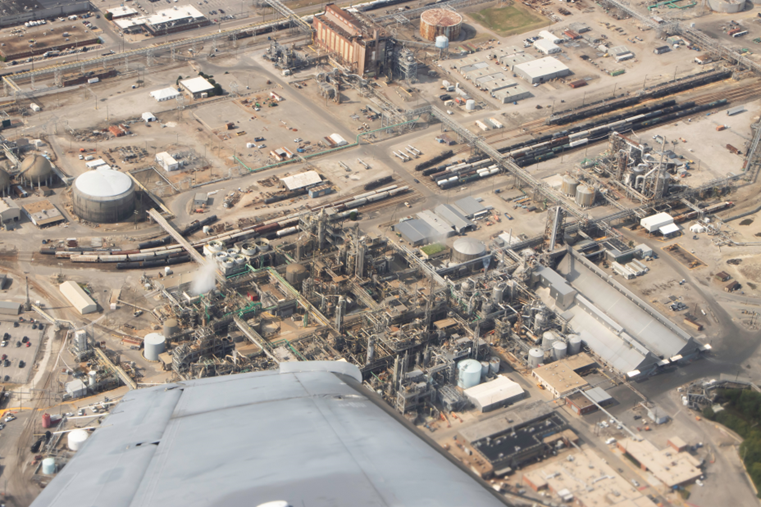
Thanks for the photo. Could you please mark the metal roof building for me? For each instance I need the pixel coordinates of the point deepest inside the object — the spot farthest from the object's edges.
(329, 443)
(469, 207)
(416, 232)
(541, 70)
(454, 218)
(655, 222)
(10, 308)
(495, 394)
(165, 94)
(301, 180)
(78, 297)
(196, 86)
(441, 229)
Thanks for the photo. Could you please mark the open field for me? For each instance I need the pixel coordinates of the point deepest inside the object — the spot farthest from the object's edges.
(506, 21)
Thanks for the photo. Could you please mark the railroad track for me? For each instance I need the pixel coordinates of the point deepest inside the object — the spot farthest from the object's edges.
(738, 93)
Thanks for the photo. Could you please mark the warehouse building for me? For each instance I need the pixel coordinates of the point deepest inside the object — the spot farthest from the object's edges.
(10, 308)
(359, 47)
(655, 222)
(495, 394)
(122, 12)
(197, 87)
(43, 213)
(546, 47)
(511, 94)
(78, 297)
(165, 94)
(9, 211)
(541, 70)
(300, 181)
(588, 401)
(454, 218)
(559, 379)
(671, 467)
(510, 61)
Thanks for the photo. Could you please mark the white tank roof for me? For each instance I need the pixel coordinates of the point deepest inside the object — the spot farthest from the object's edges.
(103, 183)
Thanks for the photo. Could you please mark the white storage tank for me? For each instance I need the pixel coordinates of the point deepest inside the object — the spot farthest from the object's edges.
(48, 466)
(154, 344)
(76, 439)
(535, 357)
(559, 349)
(470, 105)
(468, 373)
(548, 338)
(92, 378)
(574, 344)
(494, 365)
(442, 42)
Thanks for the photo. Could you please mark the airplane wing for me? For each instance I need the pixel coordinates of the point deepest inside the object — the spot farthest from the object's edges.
(309, 434)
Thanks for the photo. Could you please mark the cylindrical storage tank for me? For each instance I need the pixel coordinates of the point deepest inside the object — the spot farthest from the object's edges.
(465, 249)
(498, 293)
(206, 229)
(48, 466)
(470, 105)
(585, 196)
(103, 196)
(435, 22)
(154, 344)
(559, 349)
(442, 42)
(76, 439)
(5, 182)
(569, 185)
(484, 368)
(171, 328)
(468, 373)
(535, 357)
(295, 274)
(548, 338)
(46, 421)
(494, 365)
(574, 344)
(92, 377)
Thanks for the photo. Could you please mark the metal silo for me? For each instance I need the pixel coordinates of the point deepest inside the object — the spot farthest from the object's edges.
(535, 357)
(585, 196)
(154, 344)
(494, 365)
(559, 349)
(171, 328)
(574, 344)
(468, 373)
(569, 186)
(548, 338)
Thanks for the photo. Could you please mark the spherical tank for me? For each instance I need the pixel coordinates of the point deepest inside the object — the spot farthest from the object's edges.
(295, 274)
(494, 365)
(569, 185)
(104, 196)
(76, 438)
(442, 42)
(171, 328)
(585, 196)
(48, 466)
(435, 22)
(548, 338)
(154, 344)
(35, 169)
(574, 344)
(465, 249)
(468, 373)
(535, 357)
(559, 349)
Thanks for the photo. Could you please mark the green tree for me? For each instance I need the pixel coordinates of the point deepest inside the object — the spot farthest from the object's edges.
(109, 16)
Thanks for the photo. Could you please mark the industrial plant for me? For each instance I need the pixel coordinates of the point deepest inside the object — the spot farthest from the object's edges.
(451, 253)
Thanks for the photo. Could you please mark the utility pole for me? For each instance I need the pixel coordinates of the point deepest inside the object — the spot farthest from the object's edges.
(28, 303)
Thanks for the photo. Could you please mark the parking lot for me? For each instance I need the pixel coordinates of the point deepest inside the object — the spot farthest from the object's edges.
(20, 349)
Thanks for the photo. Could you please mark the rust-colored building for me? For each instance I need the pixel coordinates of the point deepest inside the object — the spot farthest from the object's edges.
(354, 44)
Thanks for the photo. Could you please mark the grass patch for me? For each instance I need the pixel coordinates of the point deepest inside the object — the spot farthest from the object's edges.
(742, 414)
(432, 249)
(509, 20)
